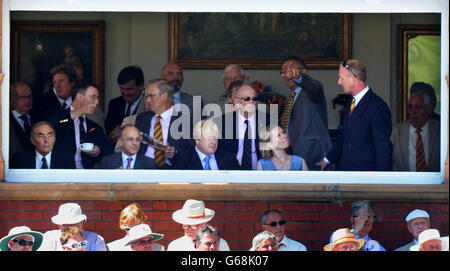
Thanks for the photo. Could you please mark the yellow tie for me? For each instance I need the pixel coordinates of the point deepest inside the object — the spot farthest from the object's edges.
(352, 106)
(157, 134)
(287, 111)
(420, 153)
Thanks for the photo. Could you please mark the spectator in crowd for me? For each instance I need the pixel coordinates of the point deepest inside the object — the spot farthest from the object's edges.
(21, 118)
(192, 217)
(21, 238)
(74, 128)
(264, 241)
(43, 155)
(130, 101)
(71, 215)
(205, 155)
(232, 73)
(273, 144)
(301, 119)
(362, 218)
(130, 216)
(299, 80)
(344, 240)
(72, 239)
(363, 143)
(431, 240)
(243, 143)
(427, 88)
(230, 104)
(129, 158)
(273, 221)
(417, 221)
(417, 141)
(207, 239)
(141, 238)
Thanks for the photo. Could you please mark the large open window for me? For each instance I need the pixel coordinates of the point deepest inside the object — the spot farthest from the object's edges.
(109, 9)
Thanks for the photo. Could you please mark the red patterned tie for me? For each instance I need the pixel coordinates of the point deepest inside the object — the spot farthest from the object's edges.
(157, 134)
(420, 153)
(352, 107)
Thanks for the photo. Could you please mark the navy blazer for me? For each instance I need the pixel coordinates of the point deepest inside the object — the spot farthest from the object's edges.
(65, 136)
(27, 159)
(44, 103)
(363, 143)
(314, 89)
(225, 160)
(114, 161)
(22, 138)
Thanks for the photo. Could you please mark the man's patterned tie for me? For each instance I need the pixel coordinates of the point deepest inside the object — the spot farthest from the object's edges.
(287, 111)
(420, 153)
(157, 134)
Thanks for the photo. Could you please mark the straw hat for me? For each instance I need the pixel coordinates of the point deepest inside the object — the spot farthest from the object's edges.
(193, 213)
(18, 231)
(69, 213)
(428, 235)
(341, 236)
(140, 231)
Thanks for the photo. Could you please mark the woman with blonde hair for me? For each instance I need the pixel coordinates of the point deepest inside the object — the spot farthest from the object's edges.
(273, 143)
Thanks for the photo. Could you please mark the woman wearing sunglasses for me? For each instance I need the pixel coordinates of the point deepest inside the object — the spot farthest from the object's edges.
(273, 143)
(21, 238)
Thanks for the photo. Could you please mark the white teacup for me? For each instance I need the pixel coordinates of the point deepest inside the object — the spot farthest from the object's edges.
(87, 147)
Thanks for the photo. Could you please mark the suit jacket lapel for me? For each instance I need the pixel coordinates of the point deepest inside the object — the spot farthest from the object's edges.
(359, 109)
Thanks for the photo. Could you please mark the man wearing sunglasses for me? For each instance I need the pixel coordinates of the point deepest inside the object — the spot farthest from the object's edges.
(363, 143)
(21, 238)
(273, 221)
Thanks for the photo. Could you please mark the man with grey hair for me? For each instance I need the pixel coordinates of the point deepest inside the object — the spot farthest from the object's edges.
(231, 74)
(417, 141)
(207, 239)
(273, 221)
(362, 218)
(161, 122)
(417, 221)
(264, 241)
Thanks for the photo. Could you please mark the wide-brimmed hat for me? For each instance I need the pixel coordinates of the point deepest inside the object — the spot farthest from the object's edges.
(415, 214)
(193, 213)
(69, 213)
(341, 236)
(18, 231)
(428, 235)
(140, 231)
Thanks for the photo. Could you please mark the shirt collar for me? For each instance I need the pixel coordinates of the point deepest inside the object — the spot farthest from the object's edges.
(125, 157)
(61, 101)
(201, 155)
(360, 95)
(166, 115)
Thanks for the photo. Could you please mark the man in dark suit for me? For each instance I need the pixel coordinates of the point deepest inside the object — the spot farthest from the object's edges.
(64, 78)
(21, 117)
(43, 155)
(130, 101)
(363, 143)
(301, 118)
(205, 156)
(130, 140)
(240, 128)
(74, 128)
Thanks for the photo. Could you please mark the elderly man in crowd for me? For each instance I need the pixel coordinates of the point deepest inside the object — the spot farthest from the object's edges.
(431, 240)
(417, 221)
(264, 241)
(207, 239)
(231, 74)
(141, 238)
(192, 217)
(21, 238)
(417, 141)
(273, 221)
(43, 155)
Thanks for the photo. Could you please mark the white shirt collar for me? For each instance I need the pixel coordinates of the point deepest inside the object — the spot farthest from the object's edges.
(360, 95)
(68, 101)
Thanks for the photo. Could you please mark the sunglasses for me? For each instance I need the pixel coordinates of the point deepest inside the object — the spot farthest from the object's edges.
(23, 242)
(274, 224)
(142, 242)
(77, 245)
(250, 98)
(345, 65)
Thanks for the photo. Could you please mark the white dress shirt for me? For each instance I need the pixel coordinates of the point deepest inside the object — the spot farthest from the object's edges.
(412, 145)
(17, 116)
(68, 101)
(241, 130)
(76, 127)
(39, 156)
(212, 160)
(287, 244)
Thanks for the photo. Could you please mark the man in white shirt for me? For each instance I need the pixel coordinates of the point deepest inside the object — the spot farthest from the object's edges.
(192, 217)
(272, 221)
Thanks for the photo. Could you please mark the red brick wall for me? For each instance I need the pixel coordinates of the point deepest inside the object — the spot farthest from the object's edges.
(309, 222)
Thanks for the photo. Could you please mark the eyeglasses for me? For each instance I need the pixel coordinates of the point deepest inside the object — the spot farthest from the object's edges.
(345, 65)
(146, 96)
(249, 98)
(142, 242)
(77, 245)
(23, 242)
(275, 223)
(130, 139)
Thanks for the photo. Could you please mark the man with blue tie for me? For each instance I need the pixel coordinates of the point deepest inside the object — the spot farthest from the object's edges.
(130, 141)
(363, 143)
(204, 155)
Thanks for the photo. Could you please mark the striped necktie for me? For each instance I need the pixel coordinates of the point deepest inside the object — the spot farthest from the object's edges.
(352, 107)
(287, 111)
(420, 153)
(157, 134)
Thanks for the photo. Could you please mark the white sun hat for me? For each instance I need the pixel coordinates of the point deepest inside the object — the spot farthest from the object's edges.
(193, 213)
(69, 213)
(142, 230)
(428, 235)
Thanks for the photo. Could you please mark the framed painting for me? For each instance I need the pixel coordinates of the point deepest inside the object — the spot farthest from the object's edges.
(419, 60)
(259, 40)
(39, 46)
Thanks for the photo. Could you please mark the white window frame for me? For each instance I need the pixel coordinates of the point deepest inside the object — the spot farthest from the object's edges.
(184, 176)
